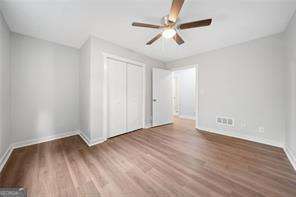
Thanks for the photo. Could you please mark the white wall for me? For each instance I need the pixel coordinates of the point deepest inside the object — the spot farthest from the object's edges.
(84, 89)
(44, 88)
(186, 92)
(290, 41)
(98, 46)
(5, 137)
(246, 82)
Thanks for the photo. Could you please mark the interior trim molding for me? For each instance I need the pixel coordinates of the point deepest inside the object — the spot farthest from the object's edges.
(84, 137)
(5, 157)
(43, 139)
(90, 142)
(291, 156)
(25, 143)
(187, 117)
(98, 141)
(244, 137)
(148, 125)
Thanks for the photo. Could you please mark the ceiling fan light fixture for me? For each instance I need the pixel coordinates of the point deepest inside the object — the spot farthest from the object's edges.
(169, 33)
(169, 24)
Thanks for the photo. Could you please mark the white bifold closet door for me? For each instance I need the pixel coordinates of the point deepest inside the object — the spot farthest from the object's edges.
(125, 97)
(116, 97)
(134, 99)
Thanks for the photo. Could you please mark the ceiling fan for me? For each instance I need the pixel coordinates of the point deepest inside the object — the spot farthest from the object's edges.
(169, 26)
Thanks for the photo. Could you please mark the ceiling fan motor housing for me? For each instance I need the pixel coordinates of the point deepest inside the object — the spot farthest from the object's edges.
(166, 21)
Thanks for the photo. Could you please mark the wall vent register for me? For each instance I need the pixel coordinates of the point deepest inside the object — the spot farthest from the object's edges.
(225, 121)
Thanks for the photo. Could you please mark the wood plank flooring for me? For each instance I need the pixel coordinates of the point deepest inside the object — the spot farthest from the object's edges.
(171, 160)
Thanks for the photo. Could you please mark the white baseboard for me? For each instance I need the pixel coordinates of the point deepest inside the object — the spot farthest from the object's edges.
(97, 141)
(291, 156)
(245, 137)
(84, 138)
(187, 117)
(20, 144)
(43, 139)
(5, 157)
(90, 142)
(148, 125)
(162, 124)
(16, 145)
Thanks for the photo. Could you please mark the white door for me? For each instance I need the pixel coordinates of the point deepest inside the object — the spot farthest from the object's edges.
(134, 98)
(116, 97)
(162, 97)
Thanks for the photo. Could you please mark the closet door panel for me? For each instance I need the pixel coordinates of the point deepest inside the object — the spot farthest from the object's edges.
(116, 97)
(134, 97)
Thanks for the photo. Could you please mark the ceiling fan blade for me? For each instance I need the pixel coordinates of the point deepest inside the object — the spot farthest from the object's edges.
(178, 39)
(146, 25)
(194, 24)
(175, 10)
(154, 39)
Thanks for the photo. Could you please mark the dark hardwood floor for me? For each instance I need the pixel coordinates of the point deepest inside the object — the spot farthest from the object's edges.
(171, 160)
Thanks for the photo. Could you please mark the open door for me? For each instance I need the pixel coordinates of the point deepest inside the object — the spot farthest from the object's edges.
(162, 97)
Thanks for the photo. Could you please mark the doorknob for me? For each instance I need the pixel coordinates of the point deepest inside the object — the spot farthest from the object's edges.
(154, 100)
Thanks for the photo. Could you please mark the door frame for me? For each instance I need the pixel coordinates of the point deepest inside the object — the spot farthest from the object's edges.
(196, 89)
(107, 56)
(176, 94)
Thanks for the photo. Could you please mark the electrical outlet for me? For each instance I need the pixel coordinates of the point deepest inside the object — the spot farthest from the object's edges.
(261, 129)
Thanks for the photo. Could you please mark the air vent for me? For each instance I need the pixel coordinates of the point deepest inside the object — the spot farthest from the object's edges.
(225, 121)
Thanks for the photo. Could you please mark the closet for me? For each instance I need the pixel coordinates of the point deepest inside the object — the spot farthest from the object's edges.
(125, 97)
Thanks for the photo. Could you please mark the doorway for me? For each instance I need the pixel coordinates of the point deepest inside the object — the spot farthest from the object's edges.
(185, 85)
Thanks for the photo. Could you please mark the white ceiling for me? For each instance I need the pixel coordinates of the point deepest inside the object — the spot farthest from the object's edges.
(70, 22)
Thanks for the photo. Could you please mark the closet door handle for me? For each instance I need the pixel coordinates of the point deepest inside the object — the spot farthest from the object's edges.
(154, 100)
